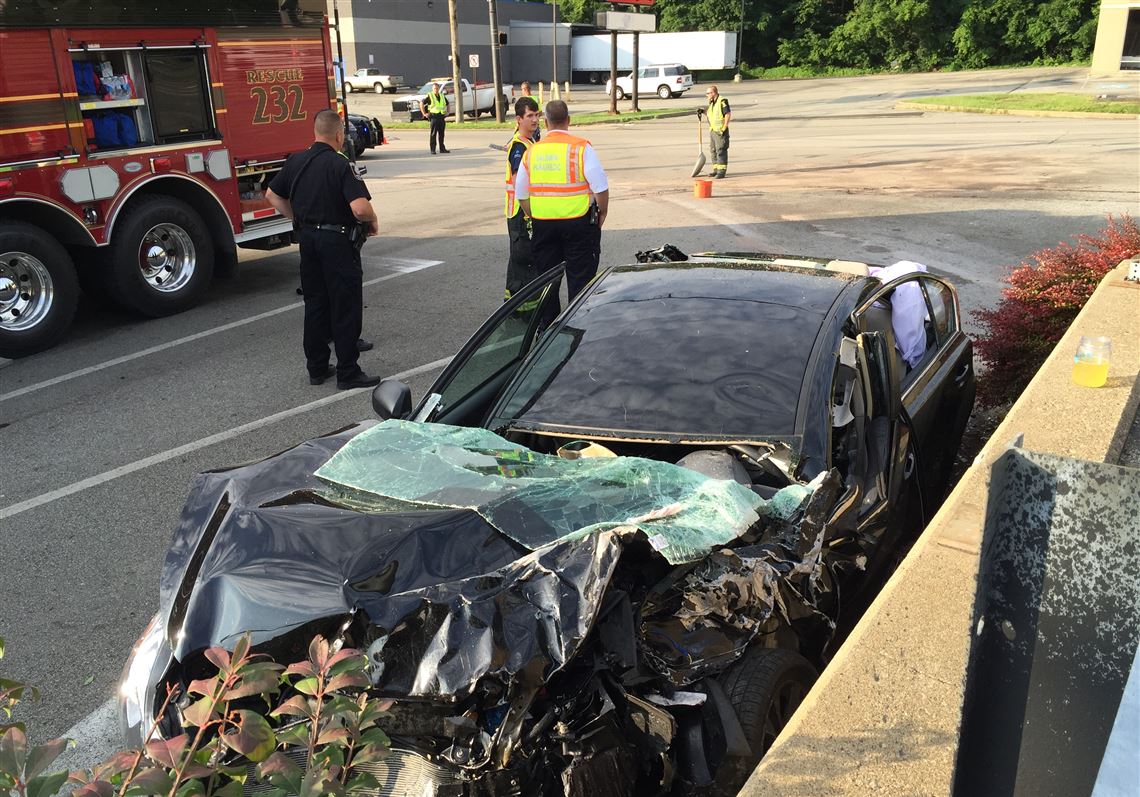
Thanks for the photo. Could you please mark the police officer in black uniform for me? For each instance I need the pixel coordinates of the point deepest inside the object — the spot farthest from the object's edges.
(331, 210)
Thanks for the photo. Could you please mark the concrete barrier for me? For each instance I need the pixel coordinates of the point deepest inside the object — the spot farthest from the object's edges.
(884, 716)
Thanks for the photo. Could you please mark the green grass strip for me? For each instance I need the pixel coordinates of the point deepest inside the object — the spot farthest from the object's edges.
(1026, 101)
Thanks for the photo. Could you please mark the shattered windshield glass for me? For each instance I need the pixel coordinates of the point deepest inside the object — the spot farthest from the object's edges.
(536, 499)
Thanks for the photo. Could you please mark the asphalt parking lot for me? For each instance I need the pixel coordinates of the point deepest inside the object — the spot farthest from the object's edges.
(100, 436)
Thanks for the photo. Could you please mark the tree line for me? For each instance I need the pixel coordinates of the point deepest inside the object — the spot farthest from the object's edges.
(884, 34)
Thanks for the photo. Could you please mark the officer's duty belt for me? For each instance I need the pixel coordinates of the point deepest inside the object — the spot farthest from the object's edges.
(342, 229)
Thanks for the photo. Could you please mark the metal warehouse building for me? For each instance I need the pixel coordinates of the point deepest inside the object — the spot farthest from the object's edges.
(413, 38)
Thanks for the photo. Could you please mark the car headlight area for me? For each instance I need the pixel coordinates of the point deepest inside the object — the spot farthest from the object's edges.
(149, 659)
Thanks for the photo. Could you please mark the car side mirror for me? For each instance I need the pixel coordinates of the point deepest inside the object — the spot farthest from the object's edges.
(392, 399)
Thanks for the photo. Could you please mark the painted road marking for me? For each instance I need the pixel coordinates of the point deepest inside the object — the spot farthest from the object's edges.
(164, 456)
(400, 266)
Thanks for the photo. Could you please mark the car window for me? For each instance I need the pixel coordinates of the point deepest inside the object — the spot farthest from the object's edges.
(647, 73)
(499, 345)
(672, 71)
(940, 298)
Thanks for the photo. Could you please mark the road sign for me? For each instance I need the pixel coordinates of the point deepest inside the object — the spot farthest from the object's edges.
(621, 21)
(473, 60)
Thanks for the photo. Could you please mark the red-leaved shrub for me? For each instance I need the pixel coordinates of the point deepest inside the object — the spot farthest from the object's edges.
(1043, 297)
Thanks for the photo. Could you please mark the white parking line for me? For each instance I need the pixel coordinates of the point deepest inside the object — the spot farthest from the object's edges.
(402, 265)
(164, 456)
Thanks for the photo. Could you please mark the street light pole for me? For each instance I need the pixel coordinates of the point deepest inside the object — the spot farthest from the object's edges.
(455, 84)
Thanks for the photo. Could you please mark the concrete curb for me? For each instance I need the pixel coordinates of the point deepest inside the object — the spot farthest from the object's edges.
(922, 106)
(884, 716)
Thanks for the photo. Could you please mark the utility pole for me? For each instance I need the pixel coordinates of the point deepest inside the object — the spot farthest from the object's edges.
(553, 43)
(496, 70)
(740, 40)
(452, 15)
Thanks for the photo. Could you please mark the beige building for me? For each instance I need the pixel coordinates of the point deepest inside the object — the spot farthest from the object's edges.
(1117, 44)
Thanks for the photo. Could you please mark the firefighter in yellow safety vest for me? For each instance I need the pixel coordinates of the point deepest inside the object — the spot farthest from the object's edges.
(561, 186)
(520, 268)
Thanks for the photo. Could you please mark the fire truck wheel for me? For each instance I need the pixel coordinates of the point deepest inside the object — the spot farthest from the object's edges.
(162, 257)
(38, 290)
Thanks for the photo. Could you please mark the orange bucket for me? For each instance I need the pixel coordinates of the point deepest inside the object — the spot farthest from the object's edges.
(702, 189)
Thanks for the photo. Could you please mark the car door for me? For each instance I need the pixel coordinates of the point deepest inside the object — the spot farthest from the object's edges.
(934, 361)
(469, 384)
(647, 80)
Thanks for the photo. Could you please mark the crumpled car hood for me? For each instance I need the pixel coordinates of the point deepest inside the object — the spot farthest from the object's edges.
(463, 561)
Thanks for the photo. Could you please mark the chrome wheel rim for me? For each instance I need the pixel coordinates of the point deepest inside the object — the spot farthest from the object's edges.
(26, 291)
(167, 258)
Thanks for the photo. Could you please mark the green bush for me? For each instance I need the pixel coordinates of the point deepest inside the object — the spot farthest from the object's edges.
(251, 712)
(1043, 296)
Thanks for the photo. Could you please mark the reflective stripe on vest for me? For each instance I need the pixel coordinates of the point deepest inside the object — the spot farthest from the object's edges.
(557, 170)
(436, 103)
(512, 207)
(716, 115)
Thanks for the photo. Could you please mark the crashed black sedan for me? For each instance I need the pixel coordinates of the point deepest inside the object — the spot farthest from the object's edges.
(605, 555)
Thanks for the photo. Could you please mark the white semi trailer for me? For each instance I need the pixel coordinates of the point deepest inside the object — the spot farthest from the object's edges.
(590, 54)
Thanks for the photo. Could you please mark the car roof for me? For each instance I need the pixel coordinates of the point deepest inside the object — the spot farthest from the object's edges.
(685, 351)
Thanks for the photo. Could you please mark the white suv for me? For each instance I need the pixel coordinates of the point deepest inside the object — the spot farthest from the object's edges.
(664, 80)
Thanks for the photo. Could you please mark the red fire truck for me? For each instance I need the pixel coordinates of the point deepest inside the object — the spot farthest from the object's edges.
(134, 157)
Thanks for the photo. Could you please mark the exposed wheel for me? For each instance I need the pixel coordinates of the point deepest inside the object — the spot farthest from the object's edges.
(347, 87)
(38, 290)
(595, 78)
(766, 686)
(378, 88)
(619, 93)
(162, 257)
(664, 92)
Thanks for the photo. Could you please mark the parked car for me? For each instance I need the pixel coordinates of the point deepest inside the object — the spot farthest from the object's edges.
(664, 80)
(370, 79)
(609, 549)
(366, 132)
(477, 100)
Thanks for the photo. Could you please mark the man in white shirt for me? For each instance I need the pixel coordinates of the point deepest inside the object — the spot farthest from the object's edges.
(561, 186)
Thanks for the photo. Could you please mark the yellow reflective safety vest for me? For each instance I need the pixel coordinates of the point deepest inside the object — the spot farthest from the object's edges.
(512, 207)
(556, 166)
(436, 103)
(716, 114)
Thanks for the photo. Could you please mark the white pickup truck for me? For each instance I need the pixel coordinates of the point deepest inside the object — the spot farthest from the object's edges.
(475, 103)
(372, 80)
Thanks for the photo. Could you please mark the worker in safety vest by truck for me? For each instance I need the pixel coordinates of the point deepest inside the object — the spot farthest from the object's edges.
(434, 107)
(562, 187)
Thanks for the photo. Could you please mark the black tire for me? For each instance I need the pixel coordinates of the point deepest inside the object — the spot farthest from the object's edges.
(619, 93)
(38, 290)
(177, 275)
(664, 92)
(378, 88)
(766, 686)
(347, 87)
